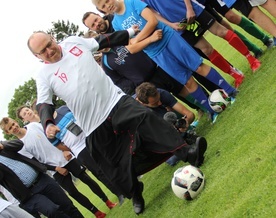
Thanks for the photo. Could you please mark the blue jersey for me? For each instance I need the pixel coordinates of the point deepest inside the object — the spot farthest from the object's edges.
(174, 10)
(132, 16)
(63, 118)
(228, 3)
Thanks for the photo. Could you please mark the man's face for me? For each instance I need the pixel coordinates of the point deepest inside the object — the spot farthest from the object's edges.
(96, 23)
(12, 127)
(45, 48)
(154, 101)
(27, 114)
(108, 6)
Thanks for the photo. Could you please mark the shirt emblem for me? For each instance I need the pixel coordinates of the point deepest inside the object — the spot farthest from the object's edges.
(76, 51)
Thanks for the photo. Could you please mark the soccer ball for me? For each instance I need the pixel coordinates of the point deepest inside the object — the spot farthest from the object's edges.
(187, 182)
(218, 100)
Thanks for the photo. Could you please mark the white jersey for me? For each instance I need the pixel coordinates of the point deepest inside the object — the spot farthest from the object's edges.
(75, 143)
(78, 80)
(4, 204)
(37, 144)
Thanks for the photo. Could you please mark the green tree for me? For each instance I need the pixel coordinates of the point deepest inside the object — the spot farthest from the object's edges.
(62, 30)
(26, 94)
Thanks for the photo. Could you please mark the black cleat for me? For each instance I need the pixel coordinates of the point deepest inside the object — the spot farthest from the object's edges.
(196, 152)
(138, 200)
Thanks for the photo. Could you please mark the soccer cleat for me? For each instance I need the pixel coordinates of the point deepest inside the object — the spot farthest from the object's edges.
(110, 204)
(100, 214)
(214, 117)
(237, 75)
(138, 200)
(232, 100)
(194, 124)
(238, 71)
(258, 54)
(121, 199)
(196, 152)
(190, 137)
(255, 65)
(234, 93)
(254, 62)
(270, 43)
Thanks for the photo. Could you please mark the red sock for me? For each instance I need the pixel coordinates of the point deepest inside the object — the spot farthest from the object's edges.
(219, 61)
(236, 42)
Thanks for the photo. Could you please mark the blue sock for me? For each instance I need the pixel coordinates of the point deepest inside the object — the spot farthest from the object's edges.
(216, 78)
(200, 97)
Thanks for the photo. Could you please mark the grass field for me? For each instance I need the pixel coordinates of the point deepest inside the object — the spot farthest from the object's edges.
(240, 160)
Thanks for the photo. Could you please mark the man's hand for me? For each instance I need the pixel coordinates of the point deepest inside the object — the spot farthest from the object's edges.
(67, 155)
(157, 35)
(51, 131)
(62, 171)
(136, 29)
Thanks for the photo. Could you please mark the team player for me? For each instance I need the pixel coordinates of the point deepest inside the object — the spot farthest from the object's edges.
(242, 21)
(171, 53)
(120, 132)
(252, 12)
(175, 11)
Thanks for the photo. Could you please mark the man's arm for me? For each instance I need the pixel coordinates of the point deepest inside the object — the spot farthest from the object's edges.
(148, 28)
(134, 48)
(190, 14)
(116, 38)
(11, 145)
(180, 108)
(46, 112)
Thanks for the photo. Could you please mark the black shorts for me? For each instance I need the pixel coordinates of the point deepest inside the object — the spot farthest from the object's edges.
(243, 6)
(203, 22)
(163, 80)
(220, 9)
(214, 13)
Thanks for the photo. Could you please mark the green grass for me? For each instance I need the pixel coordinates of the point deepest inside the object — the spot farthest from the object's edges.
(240, 159)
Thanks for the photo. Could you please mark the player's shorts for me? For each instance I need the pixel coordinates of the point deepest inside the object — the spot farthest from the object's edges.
(257, 2)
(243, 6)
(222, 9)
(214, 13)
(164, 81)
(178, 59)
(194, 31)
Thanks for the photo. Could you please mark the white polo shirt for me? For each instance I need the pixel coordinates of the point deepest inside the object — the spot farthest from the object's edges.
(78, 80)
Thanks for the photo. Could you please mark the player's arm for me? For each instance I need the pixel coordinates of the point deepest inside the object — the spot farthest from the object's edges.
(116, 38)
(62, 147)
(134, 48)
(180, 108)
(176, 26)
(148, 28)
(190, 14)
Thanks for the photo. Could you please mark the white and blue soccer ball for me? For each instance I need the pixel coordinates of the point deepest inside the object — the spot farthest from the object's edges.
(187, 182)
(218, 100)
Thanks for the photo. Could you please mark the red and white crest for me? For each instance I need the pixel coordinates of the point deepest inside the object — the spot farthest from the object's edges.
(76, 51)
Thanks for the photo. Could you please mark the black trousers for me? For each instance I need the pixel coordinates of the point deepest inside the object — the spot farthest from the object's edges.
(67, 184)
(132, 141)
(49, 199)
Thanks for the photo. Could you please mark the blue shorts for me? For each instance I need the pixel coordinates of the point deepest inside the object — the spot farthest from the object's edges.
(178, 59)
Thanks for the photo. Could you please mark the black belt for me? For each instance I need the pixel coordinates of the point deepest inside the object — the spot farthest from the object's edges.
(35, 180)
